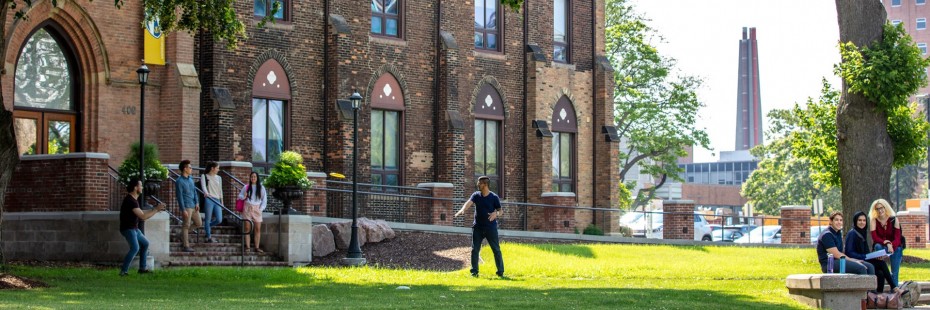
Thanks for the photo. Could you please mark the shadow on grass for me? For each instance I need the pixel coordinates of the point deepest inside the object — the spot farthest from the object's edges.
(286, 288)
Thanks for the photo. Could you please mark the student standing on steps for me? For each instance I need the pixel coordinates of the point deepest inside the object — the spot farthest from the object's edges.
(212, 186)
(487, 210)
(129, 215)
(256, 199)
(187, 201)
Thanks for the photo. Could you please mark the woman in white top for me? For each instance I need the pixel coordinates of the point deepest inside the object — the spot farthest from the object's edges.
(256, 199)
(212, 186)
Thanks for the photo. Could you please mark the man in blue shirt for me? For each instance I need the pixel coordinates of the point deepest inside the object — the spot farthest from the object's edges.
(831, 242)
(188, 202)
(487, 210)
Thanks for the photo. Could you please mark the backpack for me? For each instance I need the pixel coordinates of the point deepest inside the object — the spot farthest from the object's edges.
(200, 194)
(911, 295)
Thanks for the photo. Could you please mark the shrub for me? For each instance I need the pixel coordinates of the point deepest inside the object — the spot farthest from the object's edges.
(289, 171)
(593, 230)
(154, 171)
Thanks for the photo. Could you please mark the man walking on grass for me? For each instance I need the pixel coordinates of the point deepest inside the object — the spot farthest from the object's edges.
(487, 210)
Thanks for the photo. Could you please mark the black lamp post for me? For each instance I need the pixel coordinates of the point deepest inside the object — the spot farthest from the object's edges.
(354, 256)
(143, 72)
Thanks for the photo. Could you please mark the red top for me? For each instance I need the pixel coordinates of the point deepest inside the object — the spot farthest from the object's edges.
(886, 231)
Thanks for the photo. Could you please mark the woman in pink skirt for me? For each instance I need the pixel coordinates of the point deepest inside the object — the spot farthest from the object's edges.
(256, 199)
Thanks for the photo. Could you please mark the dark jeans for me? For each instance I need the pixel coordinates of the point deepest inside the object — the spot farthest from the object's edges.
(853, 266)
(138, 244)
(478, 234)
(883, 274)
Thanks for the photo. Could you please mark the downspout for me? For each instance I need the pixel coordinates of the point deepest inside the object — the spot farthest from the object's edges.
(526, 188)
(594, 131)
(436, 73)
(326, 101)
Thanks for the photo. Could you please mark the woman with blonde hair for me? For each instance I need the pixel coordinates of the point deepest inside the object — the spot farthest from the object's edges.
(886, 234)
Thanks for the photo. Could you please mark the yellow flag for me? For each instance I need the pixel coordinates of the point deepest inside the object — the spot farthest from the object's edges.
(154, 43)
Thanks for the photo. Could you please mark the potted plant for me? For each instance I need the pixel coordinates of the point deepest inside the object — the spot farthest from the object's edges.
(289, 179)
(155, 173)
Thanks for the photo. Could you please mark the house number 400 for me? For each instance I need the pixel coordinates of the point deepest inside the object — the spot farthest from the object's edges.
(129, 110)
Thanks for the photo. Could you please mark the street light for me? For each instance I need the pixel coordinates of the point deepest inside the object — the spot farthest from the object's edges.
(143, 72)
(354, 256)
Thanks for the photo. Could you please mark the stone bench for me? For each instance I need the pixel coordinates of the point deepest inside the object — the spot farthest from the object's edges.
(830, 291)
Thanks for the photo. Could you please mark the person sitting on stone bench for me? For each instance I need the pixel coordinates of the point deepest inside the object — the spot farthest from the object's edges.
(856, 247)
(831, 242)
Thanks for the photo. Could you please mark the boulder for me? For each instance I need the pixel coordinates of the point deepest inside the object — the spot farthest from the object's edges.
(388, 232)
(323, 242)
(342, 234)
(373, 231)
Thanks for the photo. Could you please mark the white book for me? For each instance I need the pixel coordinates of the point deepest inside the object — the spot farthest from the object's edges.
(876, 254)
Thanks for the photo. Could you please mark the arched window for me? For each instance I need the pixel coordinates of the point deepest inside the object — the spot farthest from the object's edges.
(489, 117)
(45, 105)
(271, 92)
(564, 128)
(387, 108)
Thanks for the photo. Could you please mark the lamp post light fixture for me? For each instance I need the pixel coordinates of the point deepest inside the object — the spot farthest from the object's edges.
(354, 255)
(143, 73)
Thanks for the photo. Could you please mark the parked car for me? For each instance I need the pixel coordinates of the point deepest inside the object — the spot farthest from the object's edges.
(702, 228)
(629, 218)
(726, 234)
(762, 234)
(815, 233)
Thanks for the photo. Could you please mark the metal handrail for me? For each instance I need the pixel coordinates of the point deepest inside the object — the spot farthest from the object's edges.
(116, 177)
(370, 185)
(232, 214)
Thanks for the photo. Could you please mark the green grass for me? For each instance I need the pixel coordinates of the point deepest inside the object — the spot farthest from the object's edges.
(549, 276)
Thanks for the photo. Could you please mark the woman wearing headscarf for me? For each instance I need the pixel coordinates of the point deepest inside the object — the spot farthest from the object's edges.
(856, 247)
(886, 234)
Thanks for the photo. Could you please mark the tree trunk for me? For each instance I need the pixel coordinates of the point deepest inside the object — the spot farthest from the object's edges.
(9, 153)
(864, 149)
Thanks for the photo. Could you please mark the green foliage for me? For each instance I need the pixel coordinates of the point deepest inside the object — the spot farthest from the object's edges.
(593, 230)
(624, 195)
(153, 167)
(799, 163)
(289, 171)
(513, 4)
(655, 108)
(888, 73)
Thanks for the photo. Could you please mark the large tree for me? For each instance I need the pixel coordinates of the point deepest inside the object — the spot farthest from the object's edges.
(655, 107)
(785, 175)
(881, 68)
(216, 17)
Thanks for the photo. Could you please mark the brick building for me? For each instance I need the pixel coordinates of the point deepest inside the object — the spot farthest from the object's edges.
(452, 90)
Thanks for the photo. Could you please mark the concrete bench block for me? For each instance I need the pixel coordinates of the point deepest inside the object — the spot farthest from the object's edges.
(830, 291)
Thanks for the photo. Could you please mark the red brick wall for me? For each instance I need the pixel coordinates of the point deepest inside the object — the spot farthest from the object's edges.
(314, 200)
(73, 182)
(553, 219)
(914, 228)
(678, 221)
(795, 225)
(436, 211)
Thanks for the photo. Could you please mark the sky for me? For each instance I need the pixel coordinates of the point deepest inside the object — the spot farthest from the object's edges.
(797, 41)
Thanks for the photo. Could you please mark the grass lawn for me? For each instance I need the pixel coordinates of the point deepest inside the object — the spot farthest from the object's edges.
(578, 276)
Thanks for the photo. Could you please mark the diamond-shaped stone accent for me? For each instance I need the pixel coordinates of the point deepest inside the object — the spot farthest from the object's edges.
(272, 77)
(387, 89)
(488, 101)
(563, 114)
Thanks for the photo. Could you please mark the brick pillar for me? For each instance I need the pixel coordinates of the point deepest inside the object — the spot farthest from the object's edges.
(552, 219)
(178, 122)
(606, 178)
(678, 220)
(240, 170)
(914, 228)
(436, 211)
(314, 200)
(795, 225)
(68, 182)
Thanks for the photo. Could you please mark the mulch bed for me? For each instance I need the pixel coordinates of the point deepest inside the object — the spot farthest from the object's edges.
(11, 282)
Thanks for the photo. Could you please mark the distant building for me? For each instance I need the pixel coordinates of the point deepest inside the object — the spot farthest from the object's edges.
(749, 101)
(913, 14)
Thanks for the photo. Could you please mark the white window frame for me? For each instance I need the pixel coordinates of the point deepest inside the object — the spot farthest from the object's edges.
(920, 2)
(893, 5)
(895, 22)
(921, 20)
(923, 48)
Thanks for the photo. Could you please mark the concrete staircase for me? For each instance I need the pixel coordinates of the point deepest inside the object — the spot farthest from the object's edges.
(227, 252)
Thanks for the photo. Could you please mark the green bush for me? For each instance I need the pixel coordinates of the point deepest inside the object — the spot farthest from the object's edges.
(626, 231)
(289, 171)
(153, 168)
(593, 230)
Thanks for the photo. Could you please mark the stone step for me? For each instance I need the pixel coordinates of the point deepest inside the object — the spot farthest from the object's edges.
(173, 263)
(209, 247)
(220, 256)
(198, 239)
(175, 229)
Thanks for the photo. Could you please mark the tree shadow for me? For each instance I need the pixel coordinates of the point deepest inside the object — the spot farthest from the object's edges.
(577, 250)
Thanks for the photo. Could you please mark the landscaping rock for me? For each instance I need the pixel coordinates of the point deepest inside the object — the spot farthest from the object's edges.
(373, 231)
(388, 232)
(342, 234)
(323, 241)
